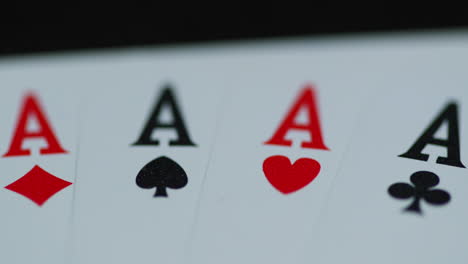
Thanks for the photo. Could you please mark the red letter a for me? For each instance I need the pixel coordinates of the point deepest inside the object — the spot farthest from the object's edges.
(305, 100)
(31, 108)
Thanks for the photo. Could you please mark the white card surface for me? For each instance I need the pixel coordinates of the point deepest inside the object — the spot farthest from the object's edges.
(116, 220)
(38, 172)
(242, 217)
(232, 99)
(363, 222)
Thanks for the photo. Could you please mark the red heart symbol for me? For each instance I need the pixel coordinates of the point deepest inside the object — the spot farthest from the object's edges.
(287, 177)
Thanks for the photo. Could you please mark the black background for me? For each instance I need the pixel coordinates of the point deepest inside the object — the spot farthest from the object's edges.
(32, 29)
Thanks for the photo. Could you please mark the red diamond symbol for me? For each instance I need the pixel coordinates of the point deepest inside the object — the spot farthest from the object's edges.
(38, 185)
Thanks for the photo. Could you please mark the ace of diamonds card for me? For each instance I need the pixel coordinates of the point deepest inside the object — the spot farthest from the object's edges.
(38, 145)
(400, 196)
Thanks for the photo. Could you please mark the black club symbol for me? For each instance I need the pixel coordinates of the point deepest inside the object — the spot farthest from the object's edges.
(423, 181)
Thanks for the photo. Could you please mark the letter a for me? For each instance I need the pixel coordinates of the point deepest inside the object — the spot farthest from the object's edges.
(452, 143)
(307, 101)
(30, 109)
(153, 123)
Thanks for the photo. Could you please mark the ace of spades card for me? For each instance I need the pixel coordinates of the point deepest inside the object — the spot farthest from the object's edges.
(281, 137)
(145, 145)
(38, 145)
(400, 196)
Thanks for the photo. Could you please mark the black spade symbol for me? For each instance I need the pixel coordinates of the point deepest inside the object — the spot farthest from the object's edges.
(161, 173)
(422, 188)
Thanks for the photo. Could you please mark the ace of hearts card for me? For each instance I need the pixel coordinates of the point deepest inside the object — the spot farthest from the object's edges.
(280, 141)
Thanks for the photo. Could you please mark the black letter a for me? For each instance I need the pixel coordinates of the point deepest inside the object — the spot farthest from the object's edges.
(452, 143)
(166, 99)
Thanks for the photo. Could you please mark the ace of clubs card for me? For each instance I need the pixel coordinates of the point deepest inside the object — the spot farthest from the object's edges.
(400, 195)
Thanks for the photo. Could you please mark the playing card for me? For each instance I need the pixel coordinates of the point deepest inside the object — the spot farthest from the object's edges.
(400, 195)
(145, 145)
(281, 137)
(38, 145)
